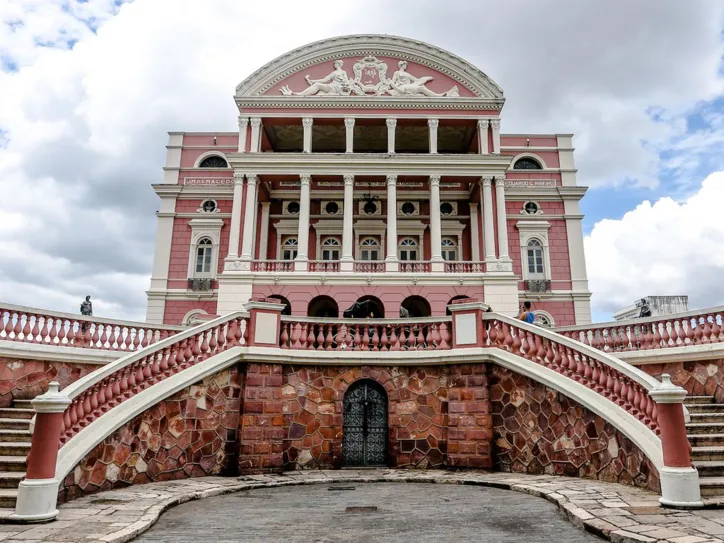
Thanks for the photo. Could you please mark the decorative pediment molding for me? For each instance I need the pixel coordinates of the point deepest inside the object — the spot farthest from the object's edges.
(364, 50)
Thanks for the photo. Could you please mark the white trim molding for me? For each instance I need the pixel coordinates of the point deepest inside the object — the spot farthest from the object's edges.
(538, 230)
(205, 228)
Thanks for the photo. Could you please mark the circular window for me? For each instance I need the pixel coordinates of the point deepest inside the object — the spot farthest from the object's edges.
(408, 208)
(332, 208)
(293, 207)
(370, 208)
(531, 208)
(446, 208)
(209, 206)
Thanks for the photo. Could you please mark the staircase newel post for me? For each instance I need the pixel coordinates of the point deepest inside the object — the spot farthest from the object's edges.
(468, 329)
(265, 323)
(679, 479)
(38, 492)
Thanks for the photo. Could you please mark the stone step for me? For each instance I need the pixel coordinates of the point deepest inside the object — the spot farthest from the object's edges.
(23, 404)
(710, 468)
(711, 486)
(14, 424)
(11, 479)
(705, 408)
(707, 453)
(8, 497)
(15, 436)
(706, 440)
(707, 417)
(12, 463)
(15, 448)
(16, 413)
(694, 428)
(698, 400)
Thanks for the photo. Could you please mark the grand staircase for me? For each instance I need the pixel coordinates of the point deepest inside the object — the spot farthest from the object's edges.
(706, 435)
(14, 447)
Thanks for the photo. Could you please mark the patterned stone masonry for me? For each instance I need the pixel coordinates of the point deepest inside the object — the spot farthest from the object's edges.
(191, 434)
(700, 378)
(26, 379)
(262, 422)
(470, 424)
(539, 431)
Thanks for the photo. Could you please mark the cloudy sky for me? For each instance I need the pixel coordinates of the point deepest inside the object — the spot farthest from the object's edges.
(88, 90)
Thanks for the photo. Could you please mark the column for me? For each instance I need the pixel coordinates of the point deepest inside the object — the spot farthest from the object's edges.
(264, 234)
(502, 221)
(438, 264)
(243, 123)
(300, 263)
(249, 218)
(307, 143)
(391, 126)
(391, 262)
(483, 136)
(349, 133)
(235, 228)
(432, 125)
(474, 233)
(347, 260)
(255, 134)
(488, 235)
(495, 125)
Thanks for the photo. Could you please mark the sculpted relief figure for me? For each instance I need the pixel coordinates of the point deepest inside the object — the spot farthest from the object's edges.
(404, 82)
(337, 83)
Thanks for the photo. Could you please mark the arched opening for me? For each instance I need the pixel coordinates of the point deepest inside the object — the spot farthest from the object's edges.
(366, 307)
(282, 300)
(213, 161)
(527, 163)
(416, 306)
(323, 307)
(454, 298)
(364, 440)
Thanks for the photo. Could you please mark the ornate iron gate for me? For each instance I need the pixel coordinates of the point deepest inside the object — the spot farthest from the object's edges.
(365, 425)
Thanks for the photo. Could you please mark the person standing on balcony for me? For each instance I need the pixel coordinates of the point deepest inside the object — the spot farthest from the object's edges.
(526, 313)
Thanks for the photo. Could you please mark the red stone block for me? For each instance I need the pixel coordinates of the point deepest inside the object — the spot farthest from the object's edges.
(458, 407)
(273, 380)
(253, 407)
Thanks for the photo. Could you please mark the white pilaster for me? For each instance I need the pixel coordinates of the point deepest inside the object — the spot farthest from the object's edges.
(347, 260)
(349, 133)
(488, 233)
(495, 126)
(300, 263)
(432, 125)
(438, 263)
(474, 234)
(247, 243)
(391, 262)
(502, 219)
(255, 134)
(243, 124)
(235, 228)
(307, 123)
(264, 234)
(391, 127)
(483, 136)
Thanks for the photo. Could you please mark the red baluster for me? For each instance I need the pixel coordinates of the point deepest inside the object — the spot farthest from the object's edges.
(587, 370)
(35, 332)
(596, 377)
(26, 329)
(428, 337)
(213, 344)
(136, 339)
(493, 334)
(394, 340)
(435, 336)
(706, 331)
(320, 337)
(715, 329)
(230, 334)
(140, 378)
(420, 339)
(238, 323)
(690, 334)
(296, 332)
(384, 339)
(403, 339)
(444, 336)
(365, 338)
(521, 343)
(508, 337)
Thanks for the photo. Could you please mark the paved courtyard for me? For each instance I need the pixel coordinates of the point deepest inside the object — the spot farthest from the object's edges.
(405, 512)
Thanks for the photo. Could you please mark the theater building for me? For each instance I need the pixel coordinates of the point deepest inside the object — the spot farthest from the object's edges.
(369, 173)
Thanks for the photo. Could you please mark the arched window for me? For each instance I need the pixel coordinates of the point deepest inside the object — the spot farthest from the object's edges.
(408, 249)
(204, 253)
(535, 259)
(449, 249)
(527, 164)
(213, 161)
(369, 249)
(543, 319)
(289, 249)
(330, 249)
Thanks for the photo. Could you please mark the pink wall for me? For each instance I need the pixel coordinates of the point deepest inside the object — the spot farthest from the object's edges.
(550, 157)
(563, 312)
(535, 141)
(177, 309)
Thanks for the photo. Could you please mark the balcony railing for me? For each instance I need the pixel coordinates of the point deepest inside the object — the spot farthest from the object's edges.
(415, 267)
(369, 266)
(272, 265)
(464, 267)
(324, 265)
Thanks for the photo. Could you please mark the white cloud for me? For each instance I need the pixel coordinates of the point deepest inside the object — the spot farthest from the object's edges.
(665, 248)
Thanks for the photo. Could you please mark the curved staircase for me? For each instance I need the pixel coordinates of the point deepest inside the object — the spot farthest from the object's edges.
(14, 447)
(706, 435)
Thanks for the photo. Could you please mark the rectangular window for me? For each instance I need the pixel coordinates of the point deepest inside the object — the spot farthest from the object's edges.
(369, 254)
(203, 260)
(289, 254)
(330, 254)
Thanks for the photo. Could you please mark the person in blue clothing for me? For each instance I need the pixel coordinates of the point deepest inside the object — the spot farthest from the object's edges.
(526, 313)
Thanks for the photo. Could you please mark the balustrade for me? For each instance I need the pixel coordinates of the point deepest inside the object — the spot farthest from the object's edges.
(415, 267)
(272, 265)
(464, 267)
(701, 327)
(369, 266)
(65, 330)
(323, 266)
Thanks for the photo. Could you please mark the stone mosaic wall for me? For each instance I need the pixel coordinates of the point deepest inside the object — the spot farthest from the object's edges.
(470, 424)
(539, 431)
(24, 379)
(191, 434)
(700, 378)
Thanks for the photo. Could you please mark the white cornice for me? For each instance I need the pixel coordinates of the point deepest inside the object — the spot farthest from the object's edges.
(56, 353)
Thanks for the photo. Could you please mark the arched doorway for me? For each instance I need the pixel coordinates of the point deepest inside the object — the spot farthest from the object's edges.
(416, 306)
(364, 307)
(365, 424)
(323, 306)
(454, 298)
(282, 300)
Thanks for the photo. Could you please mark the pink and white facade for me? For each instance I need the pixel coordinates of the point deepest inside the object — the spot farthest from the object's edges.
(369, 167)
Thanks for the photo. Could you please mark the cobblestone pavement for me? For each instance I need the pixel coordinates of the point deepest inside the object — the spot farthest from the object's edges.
(618, 513)
(405, 513)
